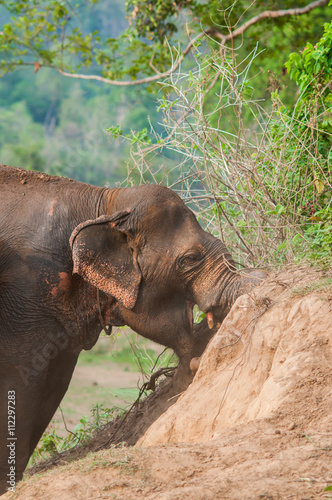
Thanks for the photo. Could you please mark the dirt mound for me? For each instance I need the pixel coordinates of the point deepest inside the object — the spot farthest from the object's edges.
(272, 356)
(256, 422)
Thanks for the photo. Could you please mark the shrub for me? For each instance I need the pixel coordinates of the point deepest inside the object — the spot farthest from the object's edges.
(260, 180)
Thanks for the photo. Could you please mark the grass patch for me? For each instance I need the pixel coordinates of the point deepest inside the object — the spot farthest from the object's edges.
(125, 347)
(324, 284)
(51, 443)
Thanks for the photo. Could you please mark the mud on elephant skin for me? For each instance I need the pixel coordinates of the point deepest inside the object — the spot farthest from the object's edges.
(74, 257)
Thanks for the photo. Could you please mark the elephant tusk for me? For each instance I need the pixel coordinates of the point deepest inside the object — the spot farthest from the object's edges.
(210, 320)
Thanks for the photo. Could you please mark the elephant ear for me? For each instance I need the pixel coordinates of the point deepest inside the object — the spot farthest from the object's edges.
(103, 256)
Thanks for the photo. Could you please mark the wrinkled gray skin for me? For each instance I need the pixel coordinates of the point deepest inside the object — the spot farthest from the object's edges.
(73, 257)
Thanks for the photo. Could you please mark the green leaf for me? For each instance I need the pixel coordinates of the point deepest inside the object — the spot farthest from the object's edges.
(115, 131)
(280, 209)
(297, 238)
(319, 184)
(281, 246)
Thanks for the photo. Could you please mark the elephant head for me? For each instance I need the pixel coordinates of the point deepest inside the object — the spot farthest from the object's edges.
(150, 255)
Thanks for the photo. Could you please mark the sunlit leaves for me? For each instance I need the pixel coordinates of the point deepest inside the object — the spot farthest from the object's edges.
(312, 67)
(51, 32)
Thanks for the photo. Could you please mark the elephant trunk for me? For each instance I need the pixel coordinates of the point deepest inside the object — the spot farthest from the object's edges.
(237, 285)
(243, 283)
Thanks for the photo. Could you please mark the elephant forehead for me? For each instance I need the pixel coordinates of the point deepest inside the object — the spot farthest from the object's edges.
(172, 215)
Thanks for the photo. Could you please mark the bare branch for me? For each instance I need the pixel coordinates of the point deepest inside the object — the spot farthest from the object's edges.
(210, 32)
(148, 79)
(266, 15)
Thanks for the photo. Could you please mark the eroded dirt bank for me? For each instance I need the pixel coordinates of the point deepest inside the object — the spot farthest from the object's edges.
(272, 356)
(256, 422)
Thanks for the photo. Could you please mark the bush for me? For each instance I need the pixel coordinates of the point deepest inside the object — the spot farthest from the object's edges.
(50, 443)
(259, 180)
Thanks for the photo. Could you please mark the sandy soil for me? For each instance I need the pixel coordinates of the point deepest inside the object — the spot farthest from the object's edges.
(255, 423)
(261, 460)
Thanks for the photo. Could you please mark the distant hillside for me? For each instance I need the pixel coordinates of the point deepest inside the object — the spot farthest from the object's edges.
(57, 125)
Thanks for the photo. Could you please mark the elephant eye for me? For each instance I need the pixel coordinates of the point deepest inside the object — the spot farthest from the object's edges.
(190, 259)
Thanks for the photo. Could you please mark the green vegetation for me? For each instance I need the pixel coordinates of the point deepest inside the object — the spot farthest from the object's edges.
(322, 285)
(93, 36)
(50, 124)
(265, 188)
(57, 124)
(50, 443)
(247, 146)
(130, 350)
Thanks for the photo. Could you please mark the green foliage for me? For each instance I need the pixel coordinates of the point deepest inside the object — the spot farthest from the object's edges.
(115, 132)
(312, 68)
(58, 126)
(265, 189)
(100, 416)
(94, 37)
(303, 140)
(21, 140)
(50, 443)
(125, 348)
(153, 20)
(51, 33)
(280, 161)
(319, 235)
(302, 134)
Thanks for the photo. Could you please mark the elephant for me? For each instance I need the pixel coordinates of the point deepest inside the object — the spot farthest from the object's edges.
(76, 259)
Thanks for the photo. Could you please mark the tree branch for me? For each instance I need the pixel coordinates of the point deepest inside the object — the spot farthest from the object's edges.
(211, 32)
(266, 15)
(148, 79)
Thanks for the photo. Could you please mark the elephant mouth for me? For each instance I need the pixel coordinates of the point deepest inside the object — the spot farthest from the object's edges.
(209, 316)
(190, 311)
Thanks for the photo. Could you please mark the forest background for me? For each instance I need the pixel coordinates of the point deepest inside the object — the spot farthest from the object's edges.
(227, 102)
